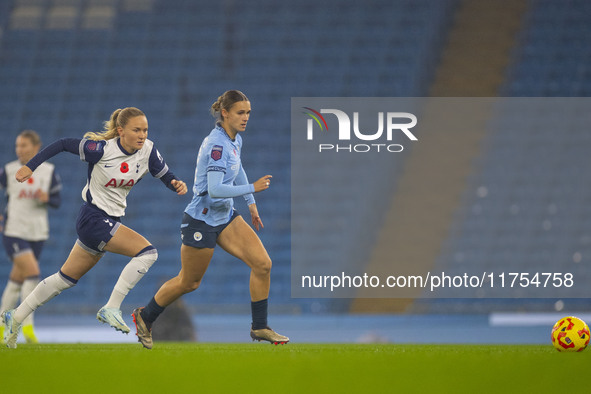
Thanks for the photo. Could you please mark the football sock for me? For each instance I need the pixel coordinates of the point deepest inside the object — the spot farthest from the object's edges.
(10, 296)
(29, 333)
(151, 312)
(131, 275)
(45, 291)
(28, 286)
(259, 314)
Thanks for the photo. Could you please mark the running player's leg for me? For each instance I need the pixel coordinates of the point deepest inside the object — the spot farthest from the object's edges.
(10, 295)
(127, 242)
(194, 263)
(23, 278)
(240, 240)
(29, 323)
(28, 271)
(79, 262)
(24, 265)
(199, 240)
(9, 300)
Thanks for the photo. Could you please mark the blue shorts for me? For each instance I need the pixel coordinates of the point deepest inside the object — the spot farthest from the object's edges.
(95, 228)
(198, 234)
(16, 246)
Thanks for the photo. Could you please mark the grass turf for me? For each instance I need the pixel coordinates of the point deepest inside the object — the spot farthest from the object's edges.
(292, 368)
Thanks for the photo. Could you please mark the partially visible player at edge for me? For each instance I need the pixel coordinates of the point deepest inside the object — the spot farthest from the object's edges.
(26, 224)
(210, 218)
(117, 158)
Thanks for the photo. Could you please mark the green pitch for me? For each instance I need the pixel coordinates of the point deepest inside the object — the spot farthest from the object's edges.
(293, 368)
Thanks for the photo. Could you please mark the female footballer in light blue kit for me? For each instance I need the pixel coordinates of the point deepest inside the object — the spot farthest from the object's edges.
(117, 159)
(210, 219)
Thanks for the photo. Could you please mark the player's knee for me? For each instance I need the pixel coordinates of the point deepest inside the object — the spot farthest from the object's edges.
(262, 266)
(61, 281)
(190, 286)
(146, 258)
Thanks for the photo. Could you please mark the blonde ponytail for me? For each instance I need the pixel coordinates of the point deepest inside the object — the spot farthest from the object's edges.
(119, 118)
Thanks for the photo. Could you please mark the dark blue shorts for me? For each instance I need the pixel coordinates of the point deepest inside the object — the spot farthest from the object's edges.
(95, 228)
(15, 246)
(198, 234)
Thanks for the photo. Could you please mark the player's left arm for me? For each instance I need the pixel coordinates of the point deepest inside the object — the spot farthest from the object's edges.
(159, 169)
(254, 216)
(242, 179)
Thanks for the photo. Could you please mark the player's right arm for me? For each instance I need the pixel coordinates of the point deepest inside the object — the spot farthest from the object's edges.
(89, 151)
(217, 158)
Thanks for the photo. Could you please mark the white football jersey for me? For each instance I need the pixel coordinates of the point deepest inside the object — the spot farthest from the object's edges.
(116, 172)
(26, 217)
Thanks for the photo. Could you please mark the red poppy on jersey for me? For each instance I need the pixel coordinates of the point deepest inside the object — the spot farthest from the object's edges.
(30, 181)
(216, 152)
(124, 167)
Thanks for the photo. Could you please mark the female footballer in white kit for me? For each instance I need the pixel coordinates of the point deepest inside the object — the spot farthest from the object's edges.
(117, 159)
(210, 219)
(26, 224)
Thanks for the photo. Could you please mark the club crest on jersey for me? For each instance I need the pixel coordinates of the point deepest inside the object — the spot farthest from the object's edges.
(216, 152)
(92, 145)
(124, 167)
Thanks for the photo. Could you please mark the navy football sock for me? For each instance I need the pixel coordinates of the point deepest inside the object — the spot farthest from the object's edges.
(259, 314)
(151, 312)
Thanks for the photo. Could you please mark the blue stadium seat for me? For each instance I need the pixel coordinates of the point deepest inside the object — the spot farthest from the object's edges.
(172, 62)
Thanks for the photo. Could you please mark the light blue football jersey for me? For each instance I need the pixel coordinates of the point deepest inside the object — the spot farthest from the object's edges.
(218, 152)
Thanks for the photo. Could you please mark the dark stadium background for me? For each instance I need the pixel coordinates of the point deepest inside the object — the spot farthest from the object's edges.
(65, 65)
